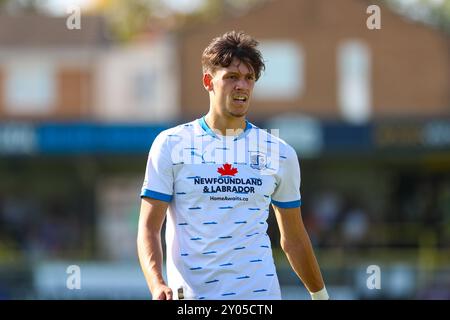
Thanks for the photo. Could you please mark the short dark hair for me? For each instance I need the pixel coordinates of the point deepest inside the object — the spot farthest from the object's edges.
(222, 50)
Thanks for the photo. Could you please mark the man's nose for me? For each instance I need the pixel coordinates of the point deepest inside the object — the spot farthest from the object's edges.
(241, 84)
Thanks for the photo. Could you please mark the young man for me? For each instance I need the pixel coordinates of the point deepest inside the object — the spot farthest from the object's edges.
(217, 176)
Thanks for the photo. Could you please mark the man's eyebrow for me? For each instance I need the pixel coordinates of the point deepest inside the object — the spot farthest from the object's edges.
(232, 72)
(251, 73)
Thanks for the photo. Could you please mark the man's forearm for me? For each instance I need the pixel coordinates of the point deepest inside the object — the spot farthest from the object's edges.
(302, 259)
(150, 258)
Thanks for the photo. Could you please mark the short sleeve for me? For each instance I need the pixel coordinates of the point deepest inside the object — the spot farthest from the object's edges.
(287, 191)
(158, 181)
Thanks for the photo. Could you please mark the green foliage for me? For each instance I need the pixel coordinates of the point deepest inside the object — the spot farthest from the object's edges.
(128, 18)
(433, 12)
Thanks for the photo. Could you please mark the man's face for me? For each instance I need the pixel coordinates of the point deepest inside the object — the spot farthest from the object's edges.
(231, 88)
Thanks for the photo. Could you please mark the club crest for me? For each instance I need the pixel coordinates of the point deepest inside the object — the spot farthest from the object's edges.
(258, 160)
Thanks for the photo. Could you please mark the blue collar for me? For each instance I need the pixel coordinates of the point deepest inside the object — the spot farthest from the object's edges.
(208, 130)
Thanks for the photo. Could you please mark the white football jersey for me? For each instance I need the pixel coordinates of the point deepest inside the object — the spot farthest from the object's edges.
(219, 189)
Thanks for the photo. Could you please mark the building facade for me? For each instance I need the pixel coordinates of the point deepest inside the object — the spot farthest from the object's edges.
(323, 61)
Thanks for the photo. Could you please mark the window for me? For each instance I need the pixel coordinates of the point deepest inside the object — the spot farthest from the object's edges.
(284, 75)
(144, 90)
(30, 88)
(354, 81)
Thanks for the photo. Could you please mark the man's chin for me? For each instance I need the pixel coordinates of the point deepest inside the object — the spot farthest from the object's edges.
(238, 113)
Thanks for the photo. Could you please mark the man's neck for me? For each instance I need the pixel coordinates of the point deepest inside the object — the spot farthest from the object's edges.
(221, 124)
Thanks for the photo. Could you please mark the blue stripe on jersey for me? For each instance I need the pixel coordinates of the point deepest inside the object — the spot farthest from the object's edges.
(195, 208)
(196, 268)
(226, 237)
(256, 260)
(212, 222)
(228, 294)
(156, 195)
(212, 281)
(209, 252)
(194, 239)
(222, 208)
(252, 234)
(183, 224)
(243, 277)
(254, 209)
(260, 290)
(239, 248)
(240, 222)
(226, 264)
(287, 205)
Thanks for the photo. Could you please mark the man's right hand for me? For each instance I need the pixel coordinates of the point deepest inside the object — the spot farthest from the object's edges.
(162, 292)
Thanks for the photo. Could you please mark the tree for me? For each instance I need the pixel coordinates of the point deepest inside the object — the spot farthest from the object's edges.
(128, 18)
(434, 12)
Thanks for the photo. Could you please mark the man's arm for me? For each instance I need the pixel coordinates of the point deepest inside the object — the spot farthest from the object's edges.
(297, 246)
(149, 247)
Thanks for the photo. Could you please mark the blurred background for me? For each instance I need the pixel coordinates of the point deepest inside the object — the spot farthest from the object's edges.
(86, 85)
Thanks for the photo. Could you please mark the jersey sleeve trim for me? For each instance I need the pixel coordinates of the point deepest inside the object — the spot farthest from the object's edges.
(287, 205)
(156, 195)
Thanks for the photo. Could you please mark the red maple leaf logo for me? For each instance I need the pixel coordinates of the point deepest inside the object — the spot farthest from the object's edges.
(227, 170)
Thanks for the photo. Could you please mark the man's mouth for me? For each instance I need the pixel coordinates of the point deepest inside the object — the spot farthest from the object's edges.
(240, 98)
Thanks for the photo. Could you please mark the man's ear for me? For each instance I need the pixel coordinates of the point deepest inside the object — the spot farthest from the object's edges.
(207, 82)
